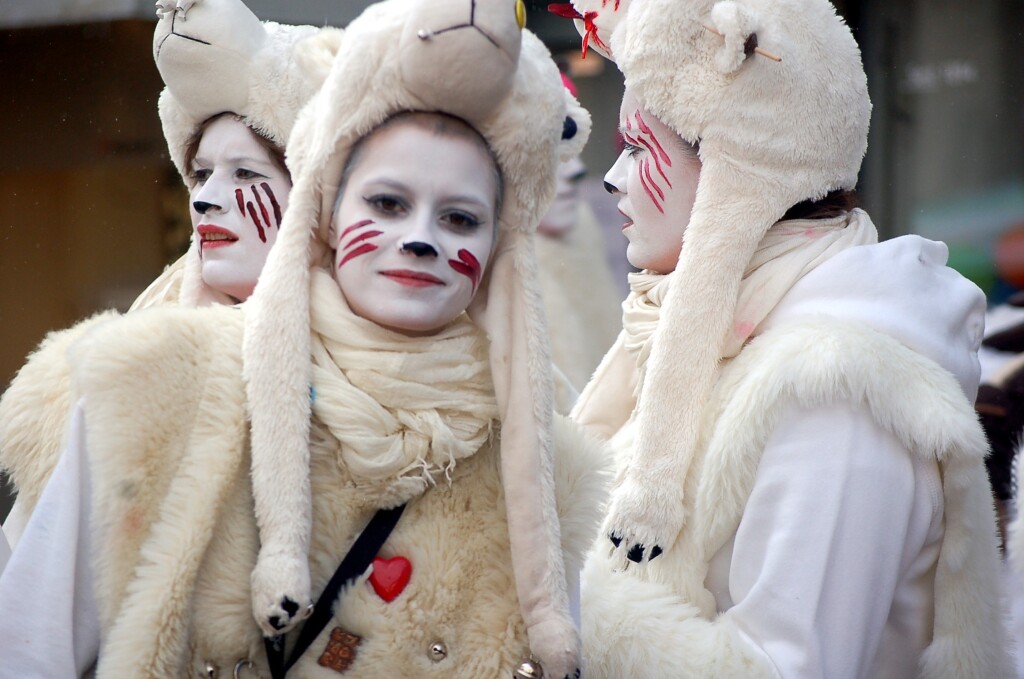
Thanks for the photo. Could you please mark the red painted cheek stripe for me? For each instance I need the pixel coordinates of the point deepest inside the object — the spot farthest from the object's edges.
(361, 250)
(646, 130)
(241, 201)
(363, 236)
(657, 162)
(650, 194)
(350, 229)
(263, 208)
(273, 202)
(646, 168)
(468, 266)
(256, 221)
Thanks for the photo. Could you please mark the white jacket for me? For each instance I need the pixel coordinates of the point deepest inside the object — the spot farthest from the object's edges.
(840, 521)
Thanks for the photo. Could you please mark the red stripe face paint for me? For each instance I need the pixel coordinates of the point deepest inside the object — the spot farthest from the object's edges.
(263, 208)
(256, 221)
(361, 250)
(353, 227)
(647, 131)
(363, 238)
(468, 266)
(240, 199)
(657, 153)
(273, 202)
(644, 181)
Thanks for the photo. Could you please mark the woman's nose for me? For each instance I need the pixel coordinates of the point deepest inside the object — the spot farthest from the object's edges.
(615, 178)
(202, 207)
(419, 248)
(421, 239)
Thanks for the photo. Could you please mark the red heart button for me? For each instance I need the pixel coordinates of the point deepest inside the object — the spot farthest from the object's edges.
(390, 576)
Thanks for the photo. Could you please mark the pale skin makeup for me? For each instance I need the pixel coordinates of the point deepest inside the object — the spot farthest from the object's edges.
(413, 235)
(561, 217)
(237, 203)
(655, 179)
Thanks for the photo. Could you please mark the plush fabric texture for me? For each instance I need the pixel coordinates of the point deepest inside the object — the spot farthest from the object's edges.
(176, 537)
(406, 409)
(217, 57)
(662, 620)
(397, 56)
(34, 412)
(772, 134)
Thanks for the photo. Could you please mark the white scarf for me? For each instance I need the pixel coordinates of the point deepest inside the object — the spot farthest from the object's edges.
(405, 409)
(788, 251)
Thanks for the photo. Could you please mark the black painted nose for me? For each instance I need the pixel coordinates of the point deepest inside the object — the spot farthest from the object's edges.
(202, 207)
(610, 188)
(419, 249)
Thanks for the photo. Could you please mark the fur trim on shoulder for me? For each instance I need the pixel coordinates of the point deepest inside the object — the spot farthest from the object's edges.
(34, 412)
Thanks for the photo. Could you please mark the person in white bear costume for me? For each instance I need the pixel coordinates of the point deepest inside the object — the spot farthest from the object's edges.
(800, 487)
(233, 88)
(392, 362)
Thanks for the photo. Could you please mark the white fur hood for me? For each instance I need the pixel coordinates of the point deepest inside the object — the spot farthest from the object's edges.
(858, 284)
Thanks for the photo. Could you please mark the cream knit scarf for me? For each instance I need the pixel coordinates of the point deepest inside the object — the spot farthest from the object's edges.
(788, 251)
(405, 409)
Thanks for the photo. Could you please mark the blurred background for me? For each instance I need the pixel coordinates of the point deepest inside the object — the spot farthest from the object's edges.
(91, 208)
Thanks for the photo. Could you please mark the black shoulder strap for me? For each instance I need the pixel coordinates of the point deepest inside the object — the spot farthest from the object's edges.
(355, 563)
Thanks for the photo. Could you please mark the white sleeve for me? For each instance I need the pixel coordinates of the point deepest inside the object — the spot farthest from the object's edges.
(49, 623)
(817, 556)
(5, 550)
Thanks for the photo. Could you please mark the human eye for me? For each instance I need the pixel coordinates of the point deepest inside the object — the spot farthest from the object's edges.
(200, 175)
(386, 204)
(631, 149)
(462, 220)
(248, 175)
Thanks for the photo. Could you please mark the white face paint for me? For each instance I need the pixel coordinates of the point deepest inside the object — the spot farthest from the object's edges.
(237, 203)
(414, 228)
(561, 217)
(656, 179)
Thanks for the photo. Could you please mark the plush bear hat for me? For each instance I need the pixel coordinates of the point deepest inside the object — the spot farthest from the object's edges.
(772, 134)
(215, 56)
(470, 59)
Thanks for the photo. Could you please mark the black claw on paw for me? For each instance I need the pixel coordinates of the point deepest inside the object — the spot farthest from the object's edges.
(655, 552)
(616, 540)
(290, 607)
(636, 553)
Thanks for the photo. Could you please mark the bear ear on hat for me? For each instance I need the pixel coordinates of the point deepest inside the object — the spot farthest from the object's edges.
(315, 55)
(738, 27)
(575, 128)
(204, 51)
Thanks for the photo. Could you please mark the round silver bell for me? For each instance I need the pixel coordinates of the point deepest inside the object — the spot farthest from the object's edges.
(437, 651)
(529, 669)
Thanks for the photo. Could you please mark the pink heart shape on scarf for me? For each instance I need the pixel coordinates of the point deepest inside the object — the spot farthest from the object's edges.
(390, 576)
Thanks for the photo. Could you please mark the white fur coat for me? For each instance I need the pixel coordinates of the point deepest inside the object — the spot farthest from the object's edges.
(167, 438)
